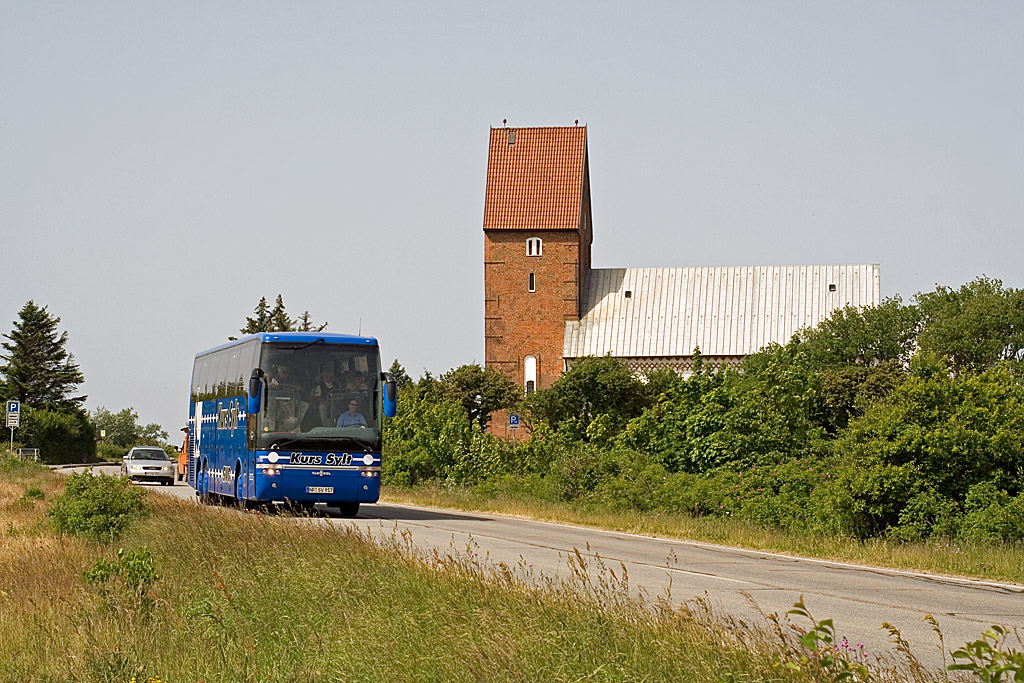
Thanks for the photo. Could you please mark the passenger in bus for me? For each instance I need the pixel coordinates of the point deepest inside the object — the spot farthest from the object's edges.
(352, 417)
(357, 382)
(281, 378)
(319, 400)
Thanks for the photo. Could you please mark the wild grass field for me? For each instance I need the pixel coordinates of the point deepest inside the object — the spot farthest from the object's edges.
(208, 594)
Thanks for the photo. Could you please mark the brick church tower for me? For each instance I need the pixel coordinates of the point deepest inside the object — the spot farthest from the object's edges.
(537, 236)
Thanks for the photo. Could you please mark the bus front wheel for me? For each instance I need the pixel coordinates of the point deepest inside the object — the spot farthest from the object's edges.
(348, 509)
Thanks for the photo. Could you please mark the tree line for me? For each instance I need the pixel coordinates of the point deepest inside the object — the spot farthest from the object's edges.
(903, 420)
(38, 370)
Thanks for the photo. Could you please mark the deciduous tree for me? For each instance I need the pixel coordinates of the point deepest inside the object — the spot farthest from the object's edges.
(123, 429)
(973, 327)
(480, 391)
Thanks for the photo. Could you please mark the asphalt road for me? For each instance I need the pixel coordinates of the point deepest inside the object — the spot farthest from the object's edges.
(732, 581)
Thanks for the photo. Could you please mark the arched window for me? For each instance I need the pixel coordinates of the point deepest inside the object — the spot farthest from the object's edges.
(534, 246)
(530, 374)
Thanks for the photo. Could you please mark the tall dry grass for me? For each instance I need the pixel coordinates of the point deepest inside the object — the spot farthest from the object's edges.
(271, 598)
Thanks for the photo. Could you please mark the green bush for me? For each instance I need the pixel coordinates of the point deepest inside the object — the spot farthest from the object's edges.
(60, 437)
(110, 452)
(691, 494)
(514, 486)
(635, 485)
(926, 515)
(133, 573)
(579, 469)
(991, 514)
(12, 464)
(99, 507)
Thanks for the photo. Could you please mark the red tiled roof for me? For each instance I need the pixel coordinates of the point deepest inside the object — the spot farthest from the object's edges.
(535, 182)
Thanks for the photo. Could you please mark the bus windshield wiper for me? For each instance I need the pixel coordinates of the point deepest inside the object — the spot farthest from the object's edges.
(365, 444)
(284, 443)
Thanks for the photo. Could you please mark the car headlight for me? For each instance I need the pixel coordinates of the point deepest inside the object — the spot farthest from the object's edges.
(167, 469)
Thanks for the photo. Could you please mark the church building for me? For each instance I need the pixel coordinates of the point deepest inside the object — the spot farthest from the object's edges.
(545, 306)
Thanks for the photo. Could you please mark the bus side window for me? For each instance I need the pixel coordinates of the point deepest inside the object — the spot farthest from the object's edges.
(218, 375)
(203, 378)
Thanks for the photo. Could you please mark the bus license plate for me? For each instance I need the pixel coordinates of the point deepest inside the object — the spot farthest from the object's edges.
(319, 489)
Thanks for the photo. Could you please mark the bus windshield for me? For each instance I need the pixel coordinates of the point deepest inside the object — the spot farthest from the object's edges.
(319, 395)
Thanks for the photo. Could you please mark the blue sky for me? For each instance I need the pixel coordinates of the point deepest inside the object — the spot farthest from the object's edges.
(164, 165)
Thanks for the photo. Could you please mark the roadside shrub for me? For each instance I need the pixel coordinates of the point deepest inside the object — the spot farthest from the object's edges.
(12, 464)
(868, 496)
(578, 470)
(926, 515)
(126, 581)
(991, 514)
(110, 452)
(99, 507)
(60, 437)
(690, 494)
(635, 485)
(31, 497)
(530, 486)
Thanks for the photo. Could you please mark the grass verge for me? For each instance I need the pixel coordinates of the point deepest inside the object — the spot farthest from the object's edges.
(234, 597)
(991, 561)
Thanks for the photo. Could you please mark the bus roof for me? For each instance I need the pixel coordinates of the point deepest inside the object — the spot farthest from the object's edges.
(298, 337)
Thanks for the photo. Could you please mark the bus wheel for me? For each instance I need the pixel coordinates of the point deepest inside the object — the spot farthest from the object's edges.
(204, 485)
(240, 502)
(348, 509)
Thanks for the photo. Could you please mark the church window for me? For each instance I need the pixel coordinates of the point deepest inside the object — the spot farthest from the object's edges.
(530, 374)
(533, 283)
(534, 246)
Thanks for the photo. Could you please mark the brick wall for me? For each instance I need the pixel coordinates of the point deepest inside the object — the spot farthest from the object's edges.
(517, 322)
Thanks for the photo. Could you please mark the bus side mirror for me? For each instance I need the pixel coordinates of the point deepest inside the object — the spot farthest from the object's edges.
(255, 393)
(390, 394)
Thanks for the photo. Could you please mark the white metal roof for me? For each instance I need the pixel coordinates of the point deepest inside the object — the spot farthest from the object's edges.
(726, 311)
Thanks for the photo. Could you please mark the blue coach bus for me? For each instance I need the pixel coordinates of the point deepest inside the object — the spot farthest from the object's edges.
(289, 417)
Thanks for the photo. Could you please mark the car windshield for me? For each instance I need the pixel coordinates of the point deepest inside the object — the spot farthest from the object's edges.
(320, 392)
(150, 454)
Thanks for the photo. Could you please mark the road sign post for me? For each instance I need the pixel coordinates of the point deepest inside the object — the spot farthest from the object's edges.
(13, 418)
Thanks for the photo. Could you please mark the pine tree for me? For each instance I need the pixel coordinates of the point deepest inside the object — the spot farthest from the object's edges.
(402, 378)
(276, 319)
(279, 319)
(261, 321)
(38, 370)
(305, 324)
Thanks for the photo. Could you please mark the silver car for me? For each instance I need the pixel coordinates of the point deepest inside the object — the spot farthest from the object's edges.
(148, 463)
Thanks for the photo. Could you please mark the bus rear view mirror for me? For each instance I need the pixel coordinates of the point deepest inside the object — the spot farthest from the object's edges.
(255, 385)
(390, 394)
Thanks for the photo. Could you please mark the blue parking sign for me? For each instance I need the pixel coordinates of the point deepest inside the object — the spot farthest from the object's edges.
(513, 421)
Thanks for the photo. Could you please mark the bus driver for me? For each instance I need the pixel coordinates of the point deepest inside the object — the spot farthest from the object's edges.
(352, 418)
